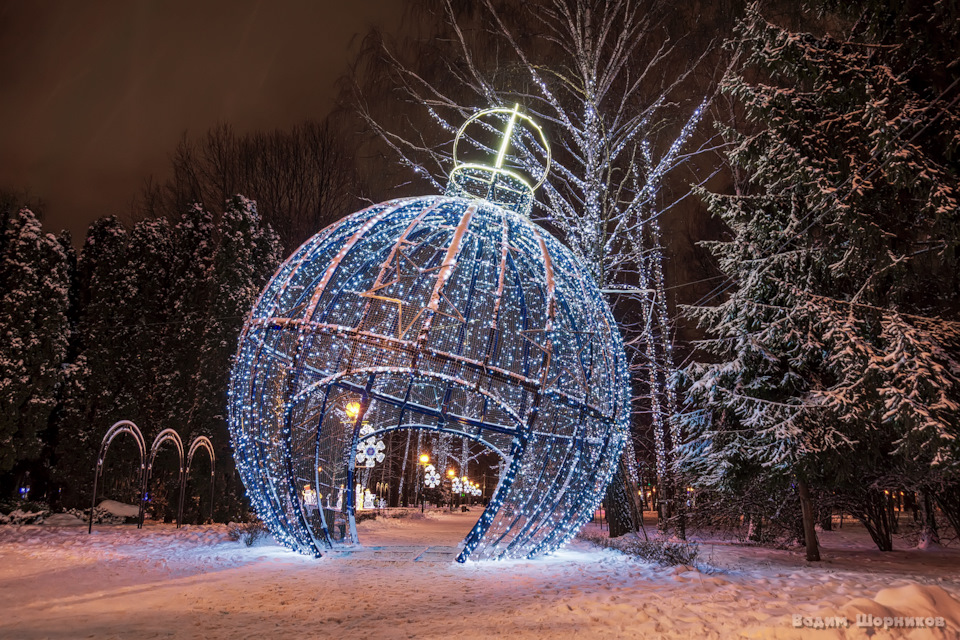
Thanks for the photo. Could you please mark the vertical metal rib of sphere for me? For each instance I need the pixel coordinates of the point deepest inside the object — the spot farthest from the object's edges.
(444, 314)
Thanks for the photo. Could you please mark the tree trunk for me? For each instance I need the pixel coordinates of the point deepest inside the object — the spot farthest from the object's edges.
(403, 471)
(809, 532)
(949, 500)
(892, 513)
(664, 512)
(680, 528)
(621, 500)
(826, 519)
(871, 510)
(929, 536)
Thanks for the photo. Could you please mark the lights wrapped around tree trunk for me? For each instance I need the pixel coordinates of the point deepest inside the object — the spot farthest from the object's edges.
(450, 313)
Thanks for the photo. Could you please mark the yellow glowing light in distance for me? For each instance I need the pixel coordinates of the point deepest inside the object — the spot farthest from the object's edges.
(353, 410)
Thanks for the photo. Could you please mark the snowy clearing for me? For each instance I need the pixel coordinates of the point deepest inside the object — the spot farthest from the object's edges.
(160, 582)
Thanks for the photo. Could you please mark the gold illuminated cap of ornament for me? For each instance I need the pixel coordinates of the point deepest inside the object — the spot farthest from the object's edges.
(495, 182)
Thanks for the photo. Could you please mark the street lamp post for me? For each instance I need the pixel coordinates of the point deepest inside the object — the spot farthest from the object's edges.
(424, 461)
(451, 474)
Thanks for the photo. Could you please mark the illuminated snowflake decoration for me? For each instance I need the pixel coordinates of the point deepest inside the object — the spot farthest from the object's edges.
(456, 486)
(370, 449)
(430, 477)
(452, 314)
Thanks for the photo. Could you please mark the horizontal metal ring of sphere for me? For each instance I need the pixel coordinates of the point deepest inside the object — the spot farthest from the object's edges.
(409, 348)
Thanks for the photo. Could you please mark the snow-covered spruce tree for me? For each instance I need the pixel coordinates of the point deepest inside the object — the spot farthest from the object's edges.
(90, 397)
(247, 254)
(159, 311)
(145, 277)
(833, 356)
(602, 77)
(120, 366)
(139, 326)
(194, 240)
(34, 285)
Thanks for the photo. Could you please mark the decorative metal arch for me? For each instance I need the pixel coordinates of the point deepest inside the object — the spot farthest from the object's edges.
(200, 442)
(123, 426)
(164, 436)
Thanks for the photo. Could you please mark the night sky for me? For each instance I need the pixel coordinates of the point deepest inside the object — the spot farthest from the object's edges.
(95, 95)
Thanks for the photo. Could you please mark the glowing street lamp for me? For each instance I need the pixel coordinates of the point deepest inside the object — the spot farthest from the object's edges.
(353, 410)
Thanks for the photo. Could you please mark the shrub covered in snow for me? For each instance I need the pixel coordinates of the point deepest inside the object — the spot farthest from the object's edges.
(19, 517)
(663, 552)
(101, 515)
(19, 512)
(249, 532)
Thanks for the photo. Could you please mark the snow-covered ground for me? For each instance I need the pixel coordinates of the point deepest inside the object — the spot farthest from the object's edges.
(161, 582)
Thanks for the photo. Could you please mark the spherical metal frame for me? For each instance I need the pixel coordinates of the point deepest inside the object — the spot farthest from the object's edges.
(439, 313)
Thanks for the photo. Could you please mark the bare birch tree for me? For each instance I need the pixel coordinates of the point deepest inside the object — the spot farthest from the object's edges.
(604, 79)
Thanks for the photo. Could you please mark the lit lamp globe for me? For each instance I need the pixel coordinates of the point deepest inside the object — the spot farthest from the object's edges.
(452, 314)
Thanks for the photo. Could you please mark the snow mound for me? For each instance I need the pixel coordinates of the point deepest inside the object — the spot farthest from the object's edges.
(63, 520)
(119, 509)
(912, 600)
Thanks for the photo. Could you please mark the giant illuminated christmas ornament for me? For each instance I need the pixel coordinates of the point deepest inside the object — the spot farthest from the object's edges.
(450, 313)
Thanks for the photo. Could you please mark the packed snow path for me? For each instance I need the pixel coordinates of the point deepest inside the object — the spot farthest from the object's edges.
(160, 582)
